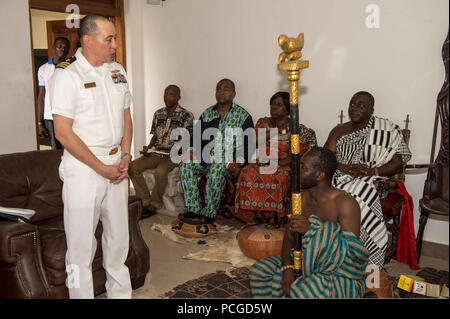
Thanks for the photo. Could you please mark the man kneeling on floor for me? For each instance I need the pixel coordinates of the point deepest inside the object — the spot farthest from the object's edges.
(333, 258)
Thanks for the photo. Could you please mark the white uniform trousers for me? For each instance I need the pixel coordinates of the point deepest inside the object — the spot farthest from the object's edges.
(88, 198)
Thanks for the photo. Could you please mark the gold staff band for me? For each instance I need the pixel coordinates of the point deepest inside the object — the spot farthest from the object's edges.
(296, 204)
(297, 259)
(293, 77)
(295, 144)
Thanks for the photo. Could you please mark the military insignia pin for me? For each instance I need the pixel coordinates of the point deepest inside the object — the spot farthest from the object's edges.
(118, 78)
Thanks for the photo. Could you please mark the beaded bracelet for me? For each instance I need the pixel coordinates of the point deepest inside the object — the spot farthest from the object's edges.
(285, 267)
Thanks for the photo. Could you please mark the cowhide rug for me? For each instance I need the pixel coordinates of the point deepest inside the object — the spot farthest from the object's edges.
(220, 247)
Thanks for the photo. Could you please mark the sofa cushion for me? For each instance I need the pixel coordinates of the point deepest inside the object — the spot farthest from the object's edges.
(54, 246)
(56, 277)
(31, 180)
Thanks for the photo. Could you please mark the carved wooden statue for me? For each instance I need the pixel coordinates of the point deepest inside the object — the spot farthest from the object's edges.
(435, 193)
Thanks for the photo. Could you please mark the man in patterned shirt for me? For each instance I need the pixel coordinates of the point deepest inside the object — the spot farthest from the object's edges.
(156, 154)
(221, 118)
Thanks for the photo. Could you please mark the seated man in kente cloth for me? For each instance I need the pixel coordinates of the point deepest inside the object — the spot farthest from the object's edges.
(333, 258)
(217, 122)
(367, 147)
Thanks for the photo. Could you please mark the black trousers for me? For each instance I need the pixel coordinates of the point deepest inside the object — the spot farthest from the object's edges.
(54, 143)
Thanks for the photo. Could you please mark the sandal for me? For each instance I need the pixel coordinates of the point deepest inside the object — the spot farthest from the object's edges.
(272, 223)
(253, 222)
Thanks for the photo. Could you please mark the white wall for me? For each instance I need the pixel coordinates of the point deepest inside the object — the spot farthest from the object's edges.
(195, 43)
(17, 121)
(39, 20)
(135, 60)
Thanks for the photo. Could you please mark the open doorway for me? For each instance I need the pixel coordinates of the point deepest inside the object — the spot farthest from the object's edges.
(46, 27)
(48, 22)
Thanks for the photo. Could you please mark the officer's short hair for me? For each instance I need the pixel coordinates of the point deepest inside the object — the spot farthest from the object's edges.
(88, 26)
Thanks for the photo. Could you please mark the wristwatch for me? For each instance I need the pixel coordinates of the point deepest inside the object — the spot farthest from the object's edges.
(126, 154)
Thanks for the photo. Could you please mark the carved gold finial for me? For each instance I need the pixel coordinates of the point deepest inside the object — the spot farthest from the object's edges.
(289, 60)
(291, 47)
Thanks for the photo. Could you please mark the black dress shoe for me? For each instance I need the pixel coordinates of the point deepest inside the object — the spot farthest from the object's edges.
(191, 218)
(191, 215)
(148, 211)
(208, 220)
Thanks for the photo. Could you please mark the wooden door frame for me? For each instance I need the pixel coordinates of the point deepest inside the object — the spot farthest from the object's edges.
(86, 7)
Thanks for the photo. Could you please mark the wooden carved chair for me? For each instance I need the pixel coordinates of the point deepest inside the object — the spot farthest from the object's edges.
(392, 202)
(435, 193)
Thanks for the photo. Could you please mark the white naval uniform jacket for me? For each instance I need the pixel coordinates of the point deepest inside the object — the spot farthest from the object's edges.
(94, 97)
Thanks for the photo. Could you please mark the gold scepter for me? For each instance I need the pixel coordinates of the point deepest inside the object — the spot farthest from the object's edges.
(289, 60)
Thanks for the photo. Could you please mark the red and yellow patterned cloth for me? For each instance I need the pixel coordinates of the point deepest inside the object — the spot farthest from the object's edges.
(268, 192)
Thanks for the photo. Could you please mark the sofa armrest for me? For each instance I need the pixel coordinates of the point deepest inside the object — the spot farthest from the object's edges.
(20, 248)
(9, 230)
(135, 207)
(138, 247)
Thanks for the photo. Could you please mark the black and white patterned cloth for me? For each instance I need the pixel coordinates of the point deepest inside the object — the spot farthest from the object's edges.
(374, 145)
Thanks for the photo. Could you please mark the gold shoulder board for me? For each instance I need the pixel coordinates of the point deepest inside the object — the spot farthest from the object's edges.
(66, 63)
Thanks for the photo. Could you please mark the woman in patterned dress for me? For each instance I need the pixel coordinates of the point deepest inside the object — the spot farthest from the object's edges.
(260, 196)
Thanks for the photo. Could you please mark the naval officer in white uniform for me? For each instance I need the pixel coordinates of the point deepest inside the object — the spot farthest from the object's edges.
(90, 102)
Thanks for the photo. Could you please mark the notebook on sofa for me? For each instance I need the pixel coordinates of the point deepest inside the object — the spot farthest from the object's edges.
(21, 215)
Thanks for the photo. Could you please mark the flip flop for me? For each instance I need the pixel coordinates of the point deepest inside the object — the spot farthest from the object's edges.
(253, 222)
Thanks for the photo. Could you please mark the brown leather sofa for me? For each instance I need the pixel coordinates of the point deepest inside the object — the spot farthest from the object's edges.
(32, 256)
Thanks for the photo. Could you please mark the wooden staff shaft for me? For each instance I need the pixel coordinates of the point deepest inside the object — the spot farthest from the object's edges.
(296, 210)
(293, 67)
(295, 169)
